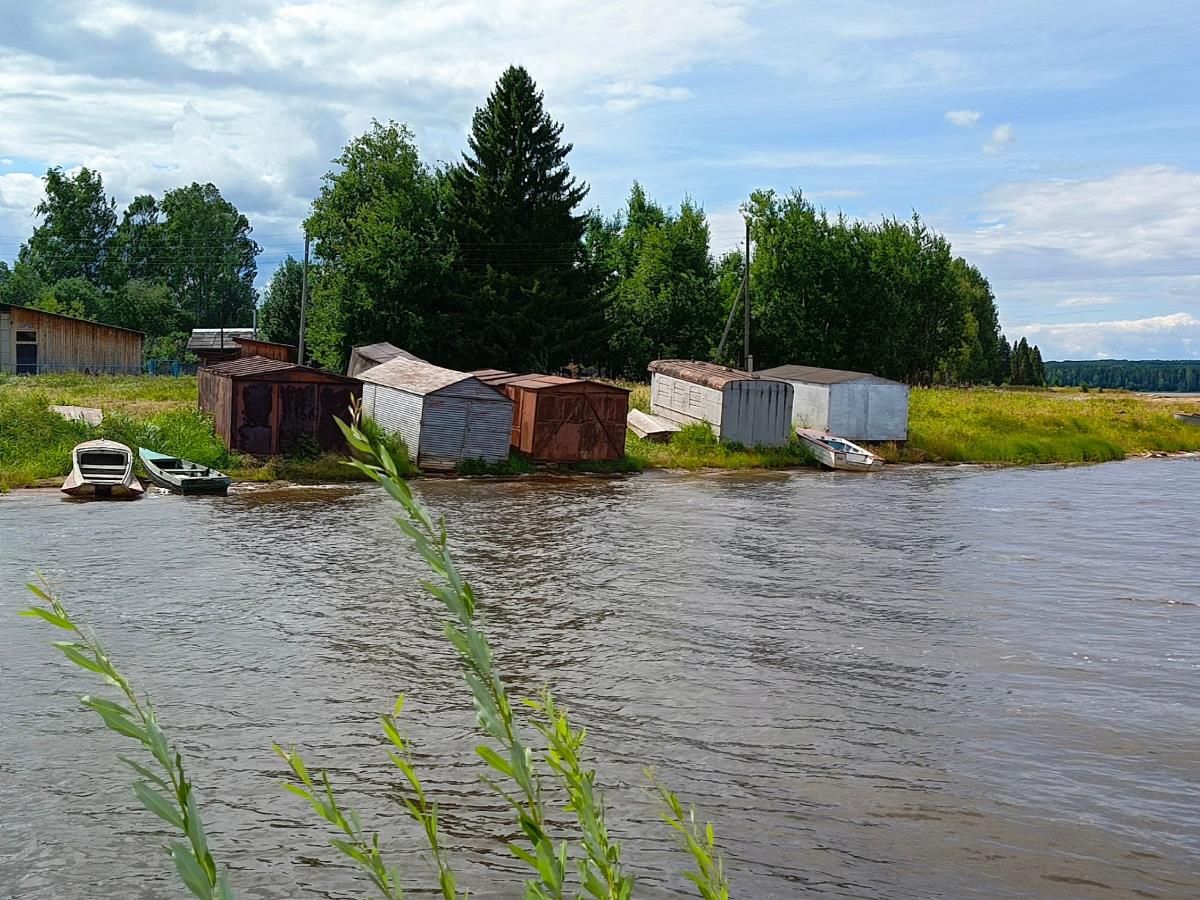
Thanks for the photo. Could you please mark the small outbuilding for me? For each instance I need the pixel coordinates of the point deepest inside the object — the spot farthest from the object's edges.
(214, 345)
(752, 410)
(444, 416)
(270, 406)
(269, 349)
(370, 355)
(854, 405)
(563, 419)
(33, 341)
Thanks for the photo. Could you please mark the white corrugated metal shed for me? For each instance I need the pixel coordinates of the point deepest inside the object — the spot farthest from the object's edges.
(741, 408)
(854, 405)
(443, 415)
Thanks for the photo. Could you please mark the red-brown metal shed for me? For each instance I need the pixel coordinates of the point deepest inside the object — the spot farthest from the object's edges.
(269, 406)
(269, 349)
(563, 419)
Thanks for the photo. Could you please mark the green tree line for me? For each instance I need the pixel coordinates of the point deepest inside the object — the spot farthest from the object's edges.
(1127, 374)
(163, 267)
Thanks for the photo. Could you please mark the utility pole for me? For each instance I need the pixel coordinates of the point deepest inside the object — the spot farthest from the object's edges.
(303, 298)
(746, 298)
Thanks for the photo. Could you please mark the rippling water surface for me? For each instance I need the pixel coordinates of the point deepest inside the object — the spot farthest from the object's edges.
(926, 683)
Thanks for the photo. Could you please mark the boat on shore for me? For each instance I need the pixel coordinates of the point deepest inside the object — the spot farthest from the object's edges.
(103, 470)
(1188, 418)
(181, 475)
(838, 453)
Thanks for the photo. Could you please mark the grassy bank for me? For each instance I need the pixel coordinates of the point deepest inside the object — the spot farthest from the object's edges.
(1025, 427)
(983, 425)
(139, 411)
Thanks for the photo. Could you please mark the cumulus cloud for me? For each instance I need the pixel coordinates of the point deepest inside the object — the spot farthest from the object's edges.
(1173, 336)
(963, 118)
(1002, 136)
(258, 98)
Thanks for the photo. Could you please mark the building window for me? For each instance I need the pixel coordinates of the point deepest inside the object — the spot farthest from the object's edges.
(26, 337)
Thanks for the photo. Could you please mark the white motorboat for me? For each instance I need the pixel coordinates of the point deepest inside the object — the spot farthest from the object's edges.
(102, 469)
(839, 453)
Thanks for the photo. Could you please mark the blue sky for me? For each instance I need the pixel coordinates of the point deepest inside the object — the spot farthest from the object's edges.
(1055, 144)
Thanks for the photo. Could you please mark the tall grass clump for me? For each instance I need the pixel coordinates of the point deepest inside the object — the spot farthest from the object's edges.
(986, 425)
(530, 754)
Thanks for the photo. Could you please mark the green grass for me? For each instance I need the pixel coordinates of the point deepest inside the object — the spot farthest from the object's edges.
(993, 425)
(696, 447)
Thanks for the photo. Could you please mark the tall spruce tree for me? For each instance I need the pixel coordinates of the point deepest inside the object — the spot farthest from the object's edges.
(525, 296)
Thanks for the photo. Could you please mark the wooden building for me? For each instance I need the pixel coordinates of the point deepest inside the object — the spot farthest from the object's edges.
(854, 405)
(270, 406)
(214, 345)
(563, 419)
(444, 416)
(751, 410)
(268, 349)
(371, 355)
(33, 341)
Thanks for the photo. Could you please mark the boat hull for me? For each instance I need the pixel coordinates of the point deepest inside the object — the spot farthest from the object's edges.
(838, 453)
(181, 475)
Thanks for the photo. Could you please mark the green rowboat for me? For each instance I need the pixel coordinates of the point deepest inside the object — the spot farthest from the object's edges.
(181, 475)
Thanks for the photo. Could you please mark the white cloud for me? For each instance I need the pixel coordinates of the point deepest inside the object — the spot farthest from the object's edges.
(6, 162)
(963, 118)
(1135, 216)
(1086, 302)
(1002, 136)
(1174, 336)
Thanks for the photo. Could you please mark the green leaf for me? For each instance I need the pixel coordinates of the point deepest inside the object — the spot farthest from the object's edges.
(71, 652)
(158, 804)
(145, 773)
(38, 592)
(190, 871)
(55, 620)
(494, 759)
(350, 850)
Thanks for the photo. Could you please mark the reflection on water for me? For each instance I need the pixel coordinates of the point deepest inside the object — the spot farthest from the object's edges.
(923, 683)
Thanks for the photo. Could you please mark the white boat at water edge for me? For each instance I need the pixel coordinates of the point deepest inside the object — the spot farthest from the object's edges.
(102, 469)
(838, 453)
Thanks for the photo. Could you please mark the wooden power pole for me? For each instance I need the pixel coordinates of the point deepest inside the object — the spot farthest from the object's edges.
(303, 299)
(746, 299)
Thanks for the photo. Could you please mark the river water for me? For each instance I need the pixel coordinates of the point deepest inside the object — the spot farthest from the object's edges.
(924, 683)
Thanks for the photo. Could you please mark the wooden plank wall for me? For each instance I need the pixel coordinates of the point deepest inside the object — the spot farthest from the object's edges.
(71, 345)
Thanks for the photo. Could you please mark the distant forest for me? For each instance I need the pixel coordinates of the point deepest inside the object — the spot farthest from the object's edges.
(1128, 374)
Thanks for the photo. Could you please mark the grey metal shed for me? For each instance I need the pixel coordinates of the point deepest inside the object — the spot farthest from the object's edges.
(444, 416)
(854, 405)
(369, 355)
(752, 410)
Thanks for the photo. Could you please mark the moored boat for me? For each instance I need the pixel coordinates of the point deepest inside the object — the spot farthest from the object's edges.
(102, 469)
(181, 475)
(838, 453)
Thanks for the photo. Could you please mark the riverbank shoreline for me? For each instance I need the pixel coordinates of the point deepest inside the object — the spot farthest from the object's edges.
(996, 427)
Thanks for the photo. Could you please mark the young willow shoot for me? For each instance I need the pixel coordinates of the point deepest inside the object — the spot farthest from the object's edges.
(167, 793)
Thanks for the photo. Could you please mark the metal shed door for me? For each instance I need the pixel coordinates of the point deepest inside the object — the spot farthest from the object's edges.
(444, 431)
